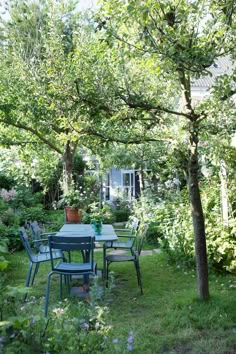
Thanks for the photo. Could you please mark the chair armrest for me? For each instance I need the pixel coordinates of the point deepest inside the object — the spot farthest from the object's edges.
(115, 244)
(41, 240)
(53, 233)
(123, 232)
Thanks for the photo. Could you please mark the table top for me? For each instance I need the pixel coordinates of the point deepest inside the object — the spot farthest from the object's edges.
(108, 232)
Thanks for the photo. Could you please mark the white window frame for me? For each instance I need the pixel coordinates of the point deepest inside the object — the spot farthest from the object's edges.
(107, 186)
(130, 195)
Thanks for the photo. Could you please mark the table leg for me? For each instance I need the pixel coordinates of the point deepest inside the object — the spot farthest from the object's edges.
(104, 262)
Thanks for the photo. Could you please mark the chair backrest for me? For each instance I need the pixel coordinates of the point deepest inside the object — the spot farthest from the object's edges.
(25, 240)
(135, 225)
(72, 243)
(36, 234)
(34, 226)
(139, 240)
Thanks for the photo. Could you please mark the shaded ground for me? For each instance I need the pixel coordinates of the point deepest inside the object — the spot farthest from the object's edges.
(168, 318)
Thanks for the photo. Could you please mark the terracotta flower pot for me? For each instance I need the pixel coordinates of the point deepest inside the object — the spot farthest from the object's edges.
(73, 216)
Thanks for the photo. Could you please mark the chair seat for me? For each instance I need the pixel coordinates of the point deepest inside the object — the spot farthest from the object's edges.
(43, 249)
(43, 257)
(119, 244)
(74, 267)
(46, 249)
(120, 258)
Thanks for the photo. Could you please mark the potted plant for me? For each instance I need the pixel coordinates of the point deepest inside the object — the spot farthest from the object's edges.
(74, 201)
(96, 218)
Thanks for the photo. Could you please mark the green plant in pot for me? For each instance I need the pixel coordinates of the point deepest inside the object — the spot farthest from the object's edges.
(96, 218)
(74, 200)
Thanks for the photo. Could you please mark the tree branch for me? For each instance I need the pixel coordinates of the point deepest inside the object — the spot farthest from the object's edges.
(137, 140)
(91, 102)
(34, 132)
(185, 82)
(228, 95)
(149, 107)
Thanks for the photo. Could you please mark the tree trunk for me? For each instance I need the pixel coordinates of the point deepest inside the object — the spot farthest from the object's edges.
(141, 180)
(224, 193)
(67, 161)
(198, 218)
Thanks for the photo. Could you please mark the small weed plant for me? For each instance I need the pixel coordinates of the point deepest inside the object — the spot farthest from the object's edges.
(73, 326)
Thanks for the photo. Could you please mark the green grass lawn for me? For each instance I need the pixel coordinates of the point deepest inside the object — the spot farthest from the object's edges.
(168, 318)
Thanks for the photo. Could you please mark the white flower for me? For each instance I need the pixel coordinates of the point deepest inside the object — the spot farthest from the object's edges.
(58, 311)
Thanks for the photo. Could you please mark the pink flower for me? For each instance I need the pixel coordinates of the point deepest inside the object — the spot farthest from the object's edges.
(8, 195)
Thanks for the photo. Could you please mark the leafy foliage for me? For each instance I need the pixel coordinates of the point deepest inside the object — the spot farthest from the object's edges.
(175, 235)
(104, 214)
(73, 325)
(22, 208)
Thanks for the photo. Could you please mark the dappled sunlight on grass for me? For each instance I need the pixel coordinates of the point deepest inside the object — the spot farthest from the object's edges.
(168, 318)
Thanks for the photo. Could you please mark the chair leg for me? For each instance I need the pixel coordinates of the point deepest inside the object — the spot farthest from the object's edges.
(35, 272)
(107, 273)
(47, 294)
(27, 281)
(68, 280)
(137, 267)
(104, 263)
(60, 287)
(96, 270)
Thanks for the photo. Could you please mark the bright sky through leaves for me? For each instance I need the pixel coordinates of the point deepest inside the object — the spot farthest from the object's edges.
(86, 4)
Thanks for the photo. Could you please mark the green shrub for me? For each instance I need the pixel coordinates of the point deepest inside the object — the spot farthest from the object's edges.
(221, 245)
(121, 215)
(106, 213)
(10, 235)
(13, 240)
(3, 262)
(72, 327)
(33, 213)
(176, 230)
(6, 181)
(54, 220)
(145, 207)
(154, 233)
(9, 217)
(3, 205)
(23, 198)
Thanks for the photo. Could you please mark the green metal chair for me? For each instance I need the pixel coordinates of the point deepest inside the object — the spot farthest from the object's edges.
(35, 258)
(40, 238)
(128, 237)
(70, 243)
(134, 257)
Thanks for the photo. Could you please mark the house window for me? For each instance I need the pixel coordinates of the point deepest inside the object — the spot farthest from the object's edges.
(128, 184)
(107, 186)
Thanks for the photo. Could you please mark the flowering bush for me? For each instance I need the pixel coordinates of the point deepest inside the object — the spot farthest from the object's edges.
(103, 214)
(75, 198)
(7, 196)
(95, 213)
